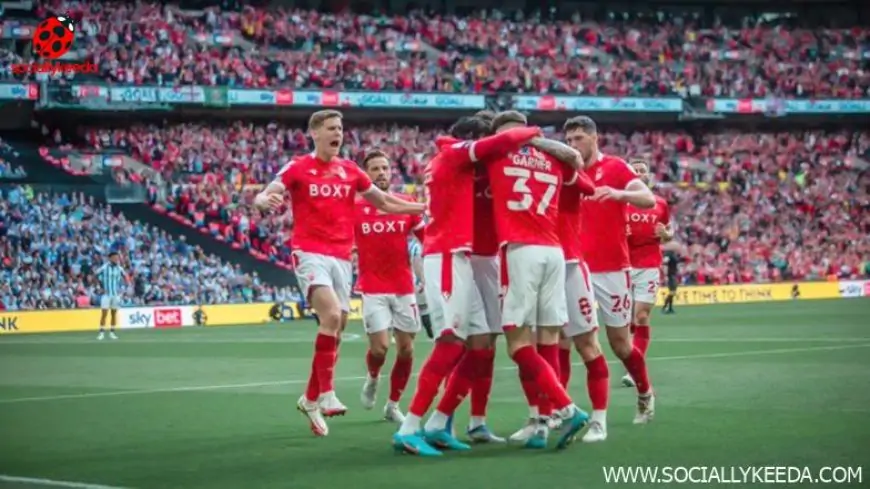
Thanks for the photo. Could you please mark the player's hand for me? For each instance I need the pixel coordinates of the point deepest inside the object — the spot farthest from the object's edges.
(270, 201)
(661, 231)
(605, 193)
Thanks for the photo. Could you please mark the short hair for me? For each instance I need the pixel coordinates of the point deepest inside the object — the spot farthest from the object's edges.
(469, 128)
(486, 115)
(318, 118)
(638, 161)
(375, 153)
(581, 122)
(508, 117)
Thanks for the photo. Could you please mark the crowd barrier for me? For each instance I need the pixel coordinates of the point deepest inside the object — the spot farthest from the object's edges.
(18, 322)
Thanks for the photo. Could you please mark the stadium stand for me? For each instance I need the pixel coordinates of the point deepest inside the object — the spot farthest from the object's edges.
(53, 242)
(485, 53)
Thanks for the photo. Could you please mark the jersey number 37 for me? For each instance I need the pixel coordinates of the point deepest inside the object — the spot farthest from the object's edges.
(521, 187)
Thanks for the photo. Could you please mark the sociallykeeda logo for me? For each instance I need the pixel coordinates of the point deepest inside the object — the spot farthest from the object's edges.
(52, 39)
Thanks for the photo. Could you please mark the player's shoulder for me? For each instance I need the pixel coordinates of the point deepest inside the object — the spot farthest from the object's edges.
(660, 201)
(296, 162)
(613, 162)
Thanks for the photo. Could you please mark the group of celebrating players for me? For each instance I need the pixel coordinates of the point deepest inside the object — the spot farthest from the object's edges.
(522, 236)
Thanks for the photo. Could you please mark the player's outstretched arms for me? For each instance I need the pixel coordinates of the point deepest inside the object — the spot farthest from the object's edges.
(270, 197)
(392, 204)
(559, 150)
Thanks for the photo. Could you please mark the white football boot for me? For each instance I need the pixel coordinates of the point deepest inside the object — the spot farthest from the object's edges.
(369, 393)
(646, 408)
(315, 419)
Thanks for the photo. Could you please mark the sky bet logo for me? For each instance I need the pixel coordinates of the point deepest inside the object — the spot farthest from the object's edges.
(140, 319)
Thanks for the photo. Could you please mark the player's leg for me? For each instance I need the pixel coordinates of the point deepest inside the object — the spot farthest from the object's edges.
(115, 303)
(406, 325)
(483, 337)
(615, 301)
(444, 278)
(528, 273)
(582, 331)
(474, 363)
(313, 272)
(423, 311)
(552, 316)
(377, 318)
(645, 286)
(104, 313)
(668, 307)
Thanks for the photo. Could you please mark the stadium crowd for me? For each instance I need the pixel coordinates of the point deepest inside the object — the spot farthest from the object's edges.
(749, 206)
(52, 243)
(484, 54)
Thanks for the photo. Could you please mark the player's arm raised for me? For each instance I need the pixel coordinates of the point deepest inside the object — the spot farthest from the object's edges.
(490, 147)
(559, 150)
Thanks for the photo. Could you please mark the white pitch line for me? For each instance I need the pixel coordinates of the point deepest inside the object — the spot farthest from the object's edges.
(53, 483)
(358, 378)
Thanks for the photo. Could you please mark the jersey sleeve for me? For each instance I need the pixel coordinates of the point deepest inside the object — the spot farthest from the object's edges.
(363, 182)
(460, 154)
(287, 174)
(666, 212)
(622, 175)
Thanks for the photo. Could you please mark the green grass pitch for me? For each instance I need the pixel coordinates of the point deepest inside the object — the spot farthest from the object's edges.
(779, 384)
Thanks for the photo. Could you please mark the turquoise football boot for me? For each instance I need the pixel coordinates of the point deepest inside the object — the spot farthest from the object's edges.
(445, 440)
(571, 426)
(414, 445)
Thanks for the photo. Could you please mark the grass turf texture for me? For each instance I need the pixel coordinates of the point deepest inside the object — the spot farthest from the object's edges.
(781, 384)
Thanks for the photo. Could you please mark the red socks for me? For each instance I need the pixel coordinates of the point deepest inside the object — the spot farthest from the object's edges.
(531, 365)
(641, 338)
(550, 354)
(598, 382)
(374, 364)
(322, 367)
(564, 366)
(399, 376)
(438, 366)
(462, 380)
(482, 386)
(530, 388)
(636, 366)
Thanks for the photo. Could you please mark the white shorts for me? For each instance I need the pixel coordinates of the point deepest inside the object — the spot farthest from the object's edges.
(486, 279)
(645, 284)
(580, 300)
(314, 269)
(384, 311)
(613, 295)
(110, 302)
(454, 303)
(533, 281)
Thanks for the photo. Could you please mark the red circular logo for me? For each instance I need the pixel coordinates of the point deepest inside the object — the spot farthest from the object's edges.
(53, 37)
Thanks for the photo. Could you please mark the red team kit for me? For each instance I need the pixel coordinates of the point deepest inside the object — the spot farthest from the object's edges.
(514, 239)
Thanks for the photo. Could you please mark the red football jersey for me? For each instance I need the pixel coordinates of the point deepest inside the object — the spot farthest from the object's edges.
(525, 188)
(603, 237)
(322, 195)
(644, 247)
(382, 250)
(485, 241)
(570, 222)
(449, 185)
